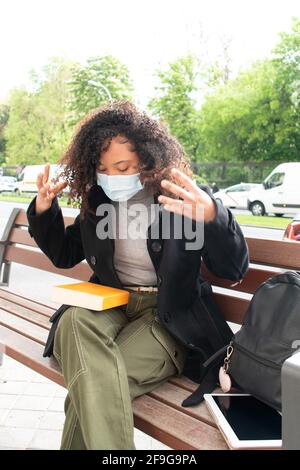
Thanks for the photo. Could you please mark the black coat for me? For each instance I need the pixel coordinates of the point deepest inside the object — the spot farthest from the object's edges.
(224, 252)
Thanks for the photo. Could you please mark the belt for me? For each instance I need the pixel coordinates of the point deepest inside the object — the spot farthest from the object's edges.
(142, 288)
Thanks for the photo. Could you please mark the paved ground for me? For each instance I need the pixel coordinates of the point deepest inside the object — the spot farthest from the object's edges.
(31, 411)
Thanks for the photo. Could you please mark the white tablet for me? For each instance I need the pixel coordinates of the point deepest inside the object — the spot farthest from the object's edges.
(245, 422)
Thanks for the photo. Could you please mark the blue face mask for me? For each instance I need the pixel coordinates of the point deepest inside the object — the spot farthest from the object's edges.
(119, 187)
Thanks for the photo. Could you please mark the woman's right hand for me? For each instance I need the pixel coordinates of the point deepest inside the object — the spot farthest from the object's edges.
(46, 191)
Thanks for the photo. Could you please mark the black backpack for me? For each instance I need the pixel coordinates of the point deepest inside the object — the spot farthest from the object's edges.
(269, 335)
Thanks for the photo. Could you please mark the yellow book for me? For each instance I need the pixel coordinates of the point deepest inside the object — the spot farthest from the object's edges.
(89, 295)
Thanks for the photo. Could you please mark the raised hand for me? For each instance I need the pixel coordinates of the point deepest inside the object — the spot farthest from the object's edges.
(194, 203)
(46, 191)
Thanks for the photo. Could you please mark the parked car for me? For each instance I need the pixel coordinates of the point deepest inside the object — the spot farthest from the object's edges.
(236, 196)
(292, 231)
(8, 183)
(279, 194)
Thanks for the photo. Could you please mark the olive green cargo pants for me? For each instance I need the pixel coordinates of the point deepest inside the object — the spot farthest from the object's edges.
(107, 359)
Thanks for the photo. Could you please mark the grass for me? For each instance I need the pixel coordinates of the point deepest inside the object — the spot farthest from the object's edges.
(7, 197)
(243, 219)
(263, 221)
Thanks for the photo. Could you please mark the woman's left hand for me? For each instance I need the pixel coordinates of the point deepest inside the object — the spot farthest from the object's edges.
(194, 203)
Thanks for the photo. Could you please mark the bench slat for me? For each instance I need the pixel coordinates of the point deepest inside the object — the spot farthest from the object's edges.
(21, 236)
(38, 260)
(263, 251)
(173, 396)
(23, 327)
(233, 308)
(176, 430)
(21, 219)
(34, 305)
(26, 314)
(249, 284)
(29, 353)
(279, 253)
(184, 383)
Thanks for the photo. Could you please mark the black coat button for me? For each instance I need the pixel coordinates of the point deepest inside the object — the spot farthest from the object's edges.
(159, 280)
(93, 260)
(156, 246)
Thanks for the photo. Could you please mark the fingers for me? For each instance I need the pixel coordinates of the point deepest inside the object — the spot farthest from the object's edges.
(187, 209)
(165, 200)
(172, 205)
(52, 191)
(185, 187)
(42, 180)
(183, 180)
(46, 173)
(51, 195)
(177, 190)
(195, 203)
(45, 188)
(177, 206)
(39, 181)
(58, 187)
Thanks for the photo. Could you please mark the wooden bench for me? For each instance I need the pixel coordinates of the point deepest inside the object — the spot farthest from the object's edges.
(25, 324)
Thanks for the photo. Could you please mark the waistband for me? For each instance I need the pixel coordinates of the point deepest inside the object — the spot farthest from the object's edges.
(142, 288)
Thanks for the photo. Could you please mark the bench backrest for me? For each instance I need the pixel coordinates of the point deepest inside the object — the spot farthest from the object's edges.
(267, 257)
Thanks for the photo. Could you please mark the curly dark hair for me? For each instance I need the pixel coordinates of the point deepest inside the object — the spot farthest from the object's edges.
(157, 149)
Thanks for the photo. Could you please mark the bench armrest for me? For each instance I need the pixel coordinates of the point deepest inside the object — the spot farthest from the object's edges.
(4, 240)
(290, 380)
(9, 225)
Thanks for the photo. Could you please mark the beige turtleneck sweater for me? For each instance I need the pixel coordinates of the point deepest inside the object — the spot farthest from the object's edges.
(131, 258)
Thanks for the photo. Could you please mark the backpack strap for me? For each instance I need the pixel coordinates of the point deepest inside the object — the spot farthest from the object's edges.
(209, 378)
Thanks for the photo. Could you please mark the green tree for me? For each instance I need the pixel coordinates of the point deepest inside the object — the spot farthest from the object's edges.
(287, 86)
(4, 113)
(256, 116)
(236, 122)
(37, 129)
(93, 84)
(175, 101)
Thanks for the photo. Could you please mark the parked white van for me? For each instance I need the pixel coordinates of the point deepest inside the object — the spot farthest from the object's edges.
(280, 192)
(27, 178)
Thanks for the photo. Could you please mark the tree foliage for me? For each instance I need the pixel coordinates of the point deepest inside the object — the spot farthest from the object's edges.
(37, 129)
(4, 114)
(253, 117)
(175, 101)
(256, 116)
(93, 84)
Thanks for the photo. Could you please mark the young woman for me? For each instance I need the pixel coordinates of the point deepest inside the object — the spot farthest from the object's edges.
(122, 159)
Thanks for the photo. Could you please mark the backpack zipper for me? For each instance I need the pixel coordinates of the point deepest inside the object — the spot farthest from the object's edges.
(253, 356)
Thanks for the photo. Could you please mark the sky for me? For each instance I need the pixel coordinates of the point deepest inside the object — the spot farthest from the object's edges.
(143, 34)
